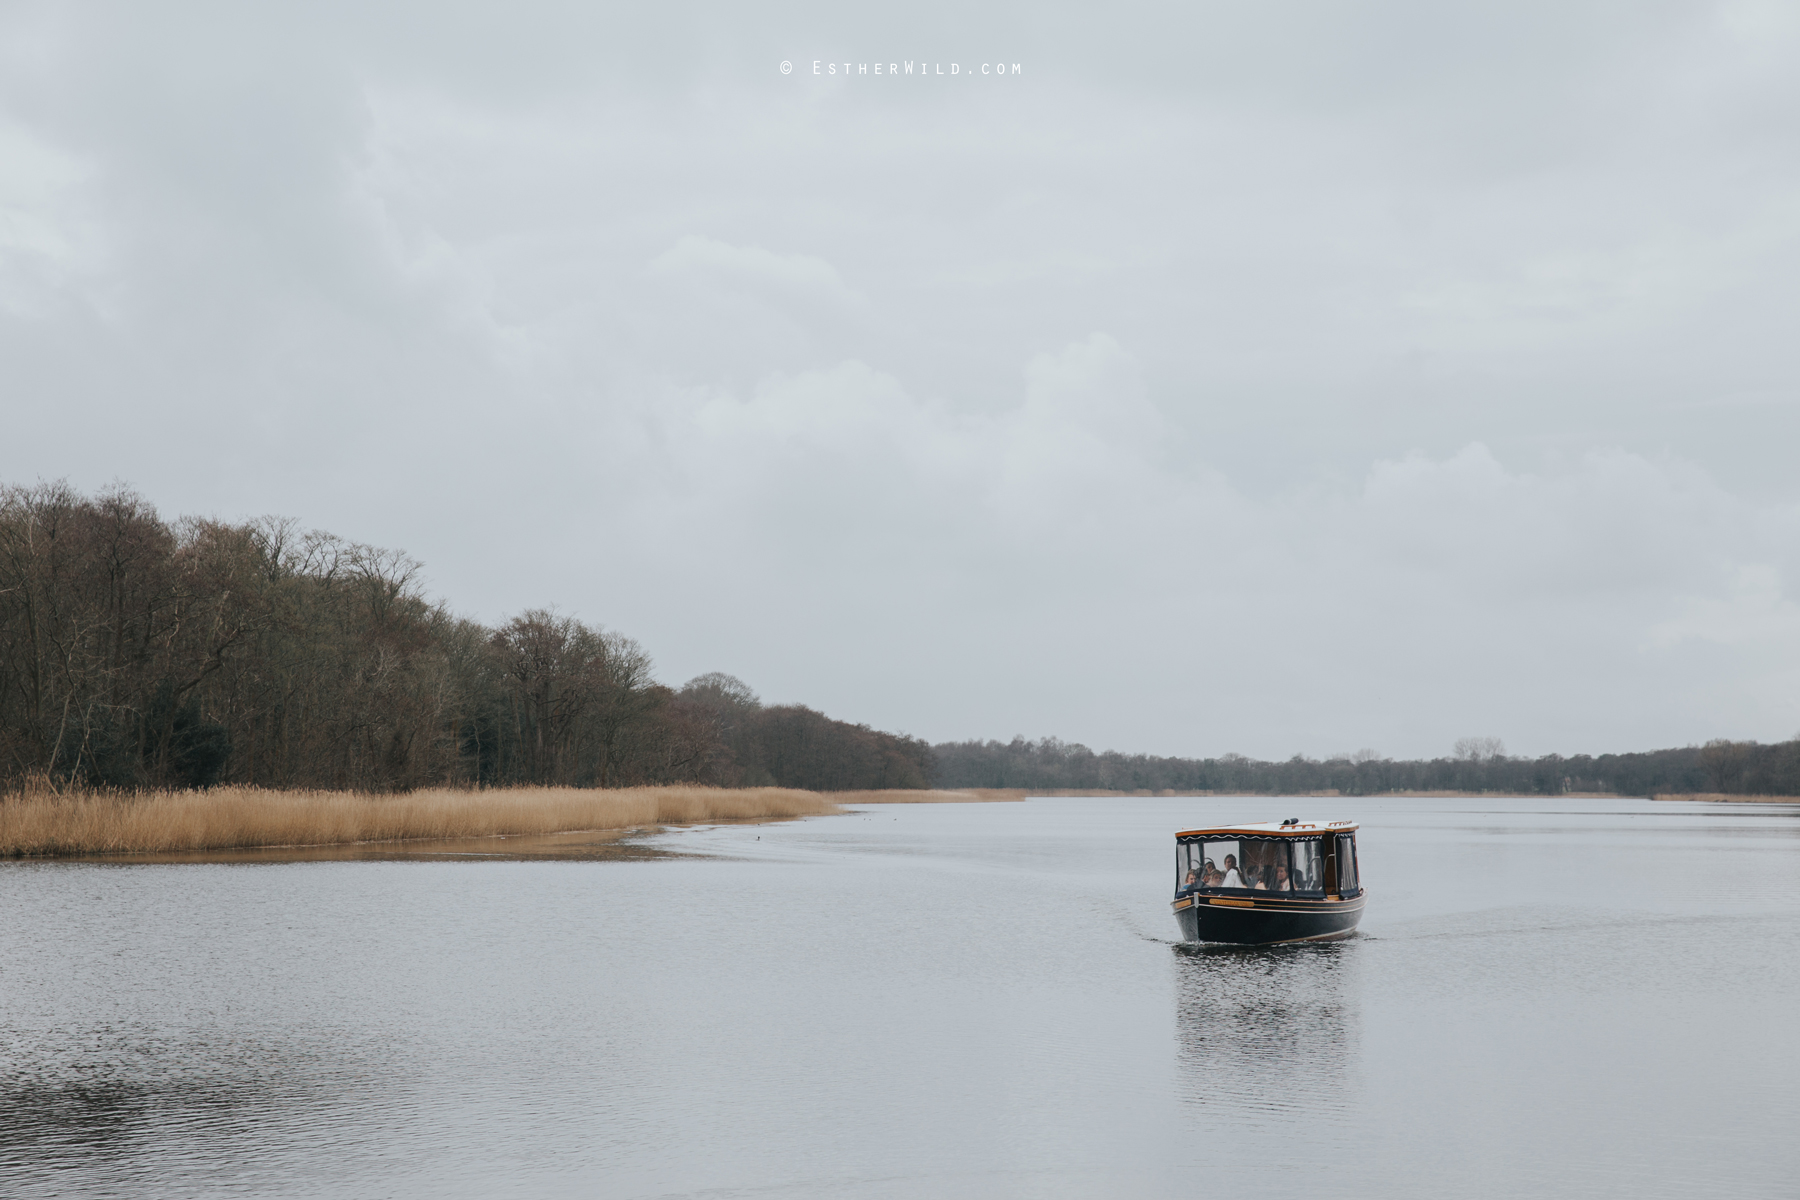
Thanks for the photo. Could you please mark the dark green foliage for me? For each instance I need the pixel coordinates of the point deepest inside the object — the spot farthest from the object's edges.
(794, 746)
(182, 748)
(798, 747)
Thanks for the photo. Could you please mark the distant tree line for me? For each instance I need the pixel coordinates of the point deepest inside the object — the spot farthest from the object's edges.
(139, 653)
(1478, 765)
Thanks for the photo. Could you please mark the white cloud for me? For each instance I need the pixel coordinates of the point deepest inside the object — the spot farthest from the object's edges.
(50, 244)
(1486, 580)
(754, 267)
(1752, 609)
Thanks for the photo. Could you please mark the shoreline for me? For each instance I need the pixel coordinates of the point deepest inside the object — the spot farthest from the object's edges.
(47, 825)
(1328, 794)
(235, 824)
(241, 824)
(1725, 798)
(932, 796)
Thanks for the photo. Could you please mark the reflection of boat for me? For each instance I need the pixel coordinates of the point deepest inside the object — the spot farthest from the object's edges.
(1252, 1021)
(1254, 884)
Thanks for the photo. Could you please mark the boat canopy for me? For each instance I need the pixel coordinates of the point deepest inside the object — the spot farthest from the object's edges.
(1293, 828)
(1296, 858)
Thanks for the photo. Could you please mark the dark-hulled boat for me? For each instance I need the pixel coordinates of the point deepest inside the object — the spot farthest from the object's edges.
(1296, 881)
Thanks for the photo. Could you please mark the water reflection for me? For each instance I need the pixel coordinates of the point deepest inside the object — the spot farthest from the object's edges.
(90, 1120)
(81, 1112)
(1268, 1034)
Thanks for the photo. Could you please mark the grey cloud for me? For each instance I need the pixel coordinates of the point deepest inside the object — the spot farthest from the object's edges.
(1228, 380)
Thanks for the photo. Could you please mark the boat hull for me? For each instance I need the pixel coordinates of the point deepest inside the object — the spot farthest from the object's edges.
(1267, 922)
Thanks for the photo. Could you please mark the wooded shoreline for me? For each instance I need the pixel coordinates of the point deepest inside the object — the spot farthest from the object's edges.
(139, 655)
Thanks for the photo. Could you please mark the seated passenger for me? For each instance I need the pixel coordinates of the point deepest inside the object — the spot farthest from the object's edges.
(1281, 883)
(1212, 876)
(1192, 881)
(1232, 878)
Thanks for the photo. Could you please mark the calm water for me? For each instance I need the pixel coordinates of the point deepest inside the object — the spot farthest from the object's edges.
(1585, 998)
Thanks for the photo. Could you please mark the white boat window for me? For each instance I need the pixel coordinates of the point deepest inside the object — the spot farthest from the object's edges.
(1248, 864)
(1346, 864)
(1265, 865)
(1187, 866)
(1262, 864)
(1309, 865)
(1220, 865)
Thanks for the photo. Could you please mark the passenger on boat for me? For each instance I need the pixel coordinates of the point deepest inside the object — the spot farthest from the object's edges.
(1281, 879)
(1192, 881)
(1212, 876)
(1232, 878)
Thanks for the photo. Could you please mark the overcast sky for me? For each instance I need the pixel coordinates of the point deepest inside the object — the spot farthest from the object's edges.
(1269, 377)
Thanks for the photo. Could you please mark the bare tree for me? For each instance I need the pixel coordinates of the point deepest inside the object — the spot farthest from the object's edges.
(1479, 749)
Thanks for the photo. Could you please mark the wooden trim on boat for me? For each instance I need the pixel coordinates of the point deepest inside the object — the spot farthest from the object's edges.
(1292, 904)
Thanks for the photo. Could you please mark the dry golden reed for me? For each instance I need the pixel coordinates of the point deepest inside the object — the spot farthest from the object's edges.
(39, 822)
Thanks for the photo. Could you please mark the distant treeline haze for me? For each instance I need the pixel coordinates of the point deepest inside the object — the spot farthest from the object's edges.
(137, 653)
(1742, 768)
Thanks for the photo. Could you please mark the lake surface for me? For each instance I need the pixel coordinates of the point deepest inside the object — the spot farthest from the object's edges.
(1568, 998)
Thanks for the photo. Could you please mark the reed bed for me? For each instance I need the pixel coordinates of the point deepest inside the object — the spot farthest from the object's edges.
(41, 823)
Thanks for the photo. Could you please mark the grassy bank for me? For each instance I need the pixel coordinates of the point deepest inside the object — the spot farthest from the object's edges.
(43, 823)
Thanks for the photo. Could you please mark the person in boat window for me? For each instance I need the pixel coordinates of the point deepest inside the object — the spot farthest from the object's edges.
(1232, 878)
(1281, 883)
(1212, 876)
(1192, 881)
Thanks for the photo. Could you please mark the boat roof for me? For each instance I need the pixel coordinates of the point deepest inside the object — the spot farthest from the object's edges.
(1273, 829)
